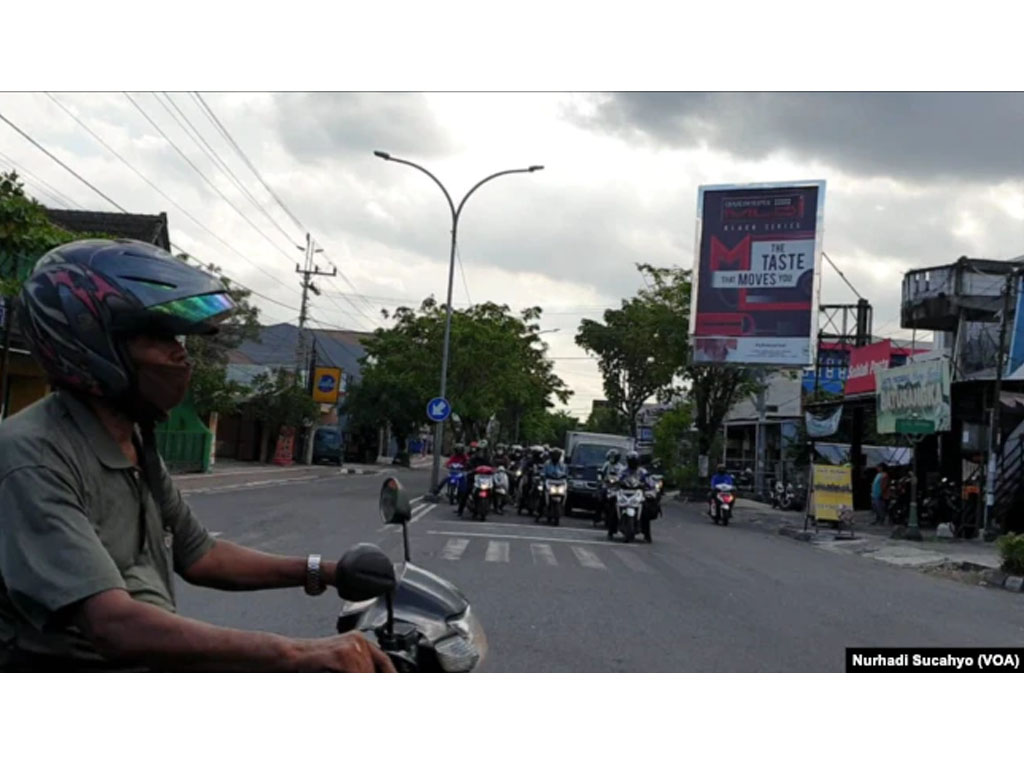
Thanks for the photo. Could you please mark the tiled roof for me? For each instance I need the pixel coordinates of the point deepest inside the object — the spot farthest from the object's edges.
(134, 226)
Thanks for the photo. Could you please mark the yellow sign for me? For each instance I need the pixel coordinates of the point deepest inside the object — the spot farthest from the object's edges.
(327, 385)
(833, 492)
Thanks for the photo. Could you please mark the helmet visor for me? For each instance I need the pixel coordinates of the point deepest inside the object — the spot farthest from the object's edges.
(193, 315)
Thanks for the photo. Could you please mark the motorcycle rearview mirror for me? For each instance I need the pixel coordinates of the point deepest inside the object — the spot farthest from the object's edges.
(365, 573)
(395, 508)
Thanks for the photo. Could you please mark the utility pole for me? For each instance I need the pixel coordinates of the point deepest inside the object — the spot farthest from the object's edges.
(305, 356)
(995, 443)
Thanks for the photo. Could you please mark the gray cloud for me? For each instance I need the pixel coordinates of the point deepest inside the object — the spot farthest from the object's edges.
(910, 135)
(316, 125)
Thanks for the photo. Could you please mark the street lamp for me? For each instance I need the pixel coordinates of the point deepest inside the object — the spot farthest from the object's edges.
(456, 211)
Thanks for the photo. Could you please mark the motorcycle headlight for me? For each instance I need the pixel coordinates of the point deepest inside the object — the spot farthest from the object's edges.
(464, 650)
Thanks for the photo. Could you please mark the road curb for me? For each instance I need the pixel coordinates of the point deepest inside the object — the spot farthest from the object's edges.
(1001, 580)
(796, 533)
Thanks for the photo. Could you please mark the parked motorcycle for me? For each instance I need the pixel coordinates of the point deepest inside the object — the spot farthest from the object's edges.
(629, 505)
(723, 497)
(421, 621)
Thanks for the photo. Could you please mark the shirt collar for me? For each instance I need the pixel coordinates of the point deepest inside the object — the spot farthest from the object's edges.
(96, 435)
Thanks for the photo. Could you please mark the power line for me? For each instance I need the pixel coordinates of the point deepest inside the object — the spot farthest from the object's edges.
(245, 158)
(112, 202)
(458, 255)
(60, 162)
(210, 152)
(840, 273)
(171, 200)
(295, 219)
(61, 199)
(202, 175)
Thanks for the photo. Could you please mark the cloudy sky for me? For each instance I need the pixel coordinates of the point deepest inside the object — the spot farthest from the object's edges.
(913, 180)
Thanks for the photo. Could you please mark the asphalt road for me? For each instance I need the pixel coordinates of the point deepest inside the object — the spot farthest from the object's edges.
(700, 598)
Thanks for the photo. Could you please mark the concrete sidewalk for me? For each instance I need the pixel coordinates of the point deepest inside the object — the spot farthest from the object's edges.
(873, 540)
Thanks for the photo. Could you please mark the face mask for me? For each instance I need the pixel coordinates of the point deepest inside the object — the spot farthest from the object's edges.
(164, 386)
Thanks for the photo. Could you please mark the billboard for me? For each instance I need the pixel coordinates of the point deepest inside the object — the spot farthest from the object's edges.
(914, 399)
(756, 273)
(833, 362)
(1015, 363)
(326, 385)
(865, 362)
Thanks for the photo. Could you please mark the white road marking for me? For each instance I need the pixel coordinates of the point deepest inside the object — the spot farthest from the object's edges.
(422, 511)
(591, 542)
(454, 548)
(632, 561)
(542, 553)
(215, 534)
(587, 558)
(244, 486)
(497, 552)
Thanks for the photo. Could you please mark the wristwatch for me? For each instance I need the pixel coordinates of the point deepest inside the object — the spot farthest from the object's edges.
(314, 576)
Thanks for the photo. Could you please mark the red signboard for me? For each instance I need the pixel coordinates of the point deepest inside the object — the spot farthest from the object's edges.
(864, 361)
(285, 447)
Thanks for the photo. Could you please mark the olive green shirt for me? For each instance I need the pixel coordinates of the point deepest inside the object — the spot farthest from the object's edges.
(77, 519)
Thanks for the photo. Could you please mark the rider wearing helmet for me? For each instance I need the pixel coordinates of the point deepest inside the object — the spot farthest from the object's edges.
(632, 468)
(92, 529)
(458, 458)
(722, 476)
(479, 458)
(532, 464)
(555, 468)
(501, 458)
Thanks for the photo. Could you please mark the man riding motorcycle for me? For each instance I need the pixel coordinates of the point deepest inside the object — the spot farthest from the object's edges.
(554, 469)
(477, 460)
(531, 466)
(92, 528)
(606, 501)
(632, 469)
(459, 457)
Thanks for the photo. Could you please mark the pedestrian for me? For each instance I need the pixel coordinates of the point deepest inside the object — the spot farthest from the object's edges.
(880, 494)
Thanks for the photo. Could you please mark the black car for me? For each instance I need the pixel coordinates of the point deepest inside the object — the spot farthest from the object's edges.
(327, 446)
(584, 488)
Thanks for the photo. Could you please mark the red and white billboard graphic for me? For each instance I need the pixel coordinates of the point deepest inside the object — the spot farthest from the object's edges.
(864, 362)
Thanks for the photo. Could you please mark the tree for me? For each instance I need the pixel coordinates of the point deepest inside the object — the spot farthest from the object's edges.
(280, 400)
(642, 346)
(548, 427)
(607, 420)
(211, 390)
(675, 447)
(497, 370)
(25, 233)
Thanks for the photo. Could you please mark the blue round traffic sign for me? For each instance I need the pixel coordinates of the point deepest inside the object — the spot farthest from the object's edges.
(326, 383)
(438, 409)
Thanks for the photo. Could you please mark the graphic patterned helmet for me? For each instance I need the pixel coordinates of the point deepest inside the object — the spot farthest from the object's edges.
(85, 299)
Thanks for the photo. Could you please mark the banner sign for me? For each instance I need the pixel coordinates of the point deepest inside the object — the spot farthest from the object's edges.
(833, 492)
(1015, 363)
(865, 362)
(755, 286)
(831, 374)
(914, 398)
(824, 427)
(285, 447)
(327, 385)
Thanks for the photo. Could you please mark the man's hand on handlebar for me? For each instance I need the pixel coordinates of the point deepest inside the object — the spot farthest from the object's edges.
(350, 652)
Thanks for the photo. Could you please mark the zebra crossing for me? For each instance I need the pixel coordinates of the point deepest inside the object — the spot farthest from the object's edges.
(548, 554)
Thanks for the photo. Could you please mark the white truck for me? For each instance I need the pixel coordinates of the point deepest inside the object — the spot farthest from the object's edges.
(584, 453)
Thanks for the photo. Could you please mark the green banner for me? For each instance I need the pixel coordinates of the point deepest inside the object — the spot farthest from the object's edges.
(914, 399)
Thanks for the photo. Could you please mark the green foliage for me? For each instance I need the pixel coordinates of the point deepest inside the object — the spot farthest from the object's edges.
(281, 400)
(211, 390)
(25, 233)
(1011, 549)
(674, 445)
(546, 427)
(642, 346)
(497, 369)
(644, 352)
(607, 420)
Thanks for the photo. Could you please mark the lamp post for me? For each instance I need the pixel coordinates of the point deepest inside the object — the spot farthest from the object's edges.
(456, 211)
